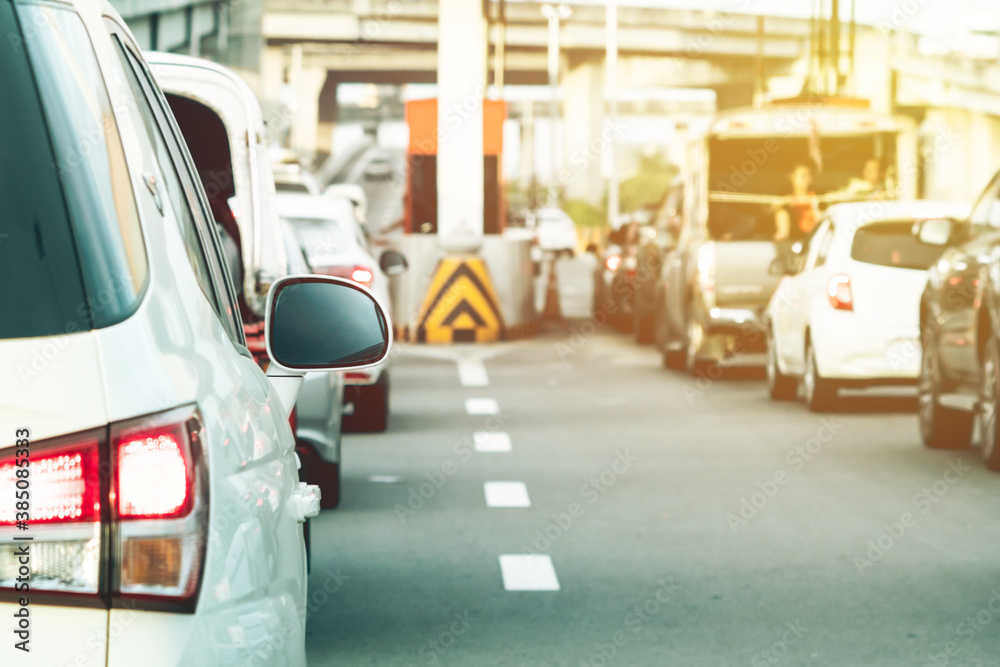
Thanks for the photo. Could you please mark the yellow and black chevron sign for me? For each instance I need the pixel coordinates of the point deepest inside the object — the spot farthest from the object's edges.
(461, 305)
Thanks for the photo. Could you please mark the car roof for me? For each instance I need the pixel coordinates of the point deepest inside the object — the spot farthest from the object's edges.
(317, 207)
(860, 214)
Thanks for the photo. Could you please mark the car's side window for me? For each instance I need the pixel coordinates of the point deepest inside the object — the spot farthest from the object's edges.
(986, 212)
(180, 187)
(824, 246)
(814, 245)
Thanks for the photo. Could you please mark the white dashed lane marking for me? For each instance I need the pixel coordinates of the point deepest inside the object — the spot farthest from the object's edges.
(528, 572)
(472, 373)
(491, 441)
(506, 494)
(482, 406)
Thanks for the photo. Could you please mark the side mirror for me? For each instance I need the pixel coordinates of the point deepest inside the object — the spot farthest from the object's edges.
(780, 266)
(318, 323)
(393, 263)
(935, 231)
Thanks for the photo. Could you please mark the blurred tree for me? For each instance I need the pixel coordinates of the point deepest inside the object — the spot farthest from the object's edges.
(585, 214)
(649, 183)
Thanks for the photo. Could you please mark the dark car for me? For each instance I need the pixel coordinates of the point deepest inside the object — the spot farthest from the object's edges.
(655, 240)
(959, 382)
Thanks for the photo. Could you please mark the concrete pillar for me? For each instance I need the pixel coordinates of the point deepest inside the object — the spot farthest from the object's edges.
(307, 83)
(461, 80)
(584, 112)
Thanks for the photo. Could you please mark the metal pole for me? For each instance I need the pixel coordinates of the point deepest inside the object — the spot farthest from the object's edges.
(499, 52)
(758, 75)
(554, 102)
(835, 45)
(853, 44)
(611, 93)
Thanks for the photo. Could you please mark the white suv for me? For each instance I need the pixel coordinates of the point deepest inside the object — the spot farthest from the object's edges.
(150, 506)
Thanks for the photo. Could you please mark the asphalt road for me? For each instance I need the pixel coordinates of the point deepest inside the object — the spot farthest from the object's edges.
(688, 523)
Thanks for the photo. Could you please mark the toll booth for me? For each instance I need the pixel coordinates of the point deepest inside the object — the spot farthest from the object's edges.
(420, 212)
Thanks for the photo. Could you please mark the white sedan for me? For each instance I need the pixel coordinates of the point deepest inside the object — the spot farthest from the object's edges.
(846, 313)
(335, 245)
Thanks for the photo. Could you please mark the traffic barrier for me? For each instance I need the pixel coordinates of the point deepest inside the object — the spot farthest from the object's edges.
(461, 304)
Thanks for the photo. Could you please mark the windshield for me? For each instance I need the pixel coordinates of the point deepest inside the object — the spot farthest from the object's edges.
(753, 182)
(893, 244)
(321, 240)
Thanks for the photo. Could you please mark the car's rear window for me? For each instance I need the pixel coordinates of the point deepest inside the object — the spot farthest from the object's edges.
(290, 186)
(893, 244)
(321, 240)
(71, 254)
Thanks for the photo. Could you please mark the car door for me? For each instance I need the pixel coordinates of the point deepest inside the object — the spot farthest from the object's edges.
(790, 311)
(255, 557)
(962, 270)
(675, 276)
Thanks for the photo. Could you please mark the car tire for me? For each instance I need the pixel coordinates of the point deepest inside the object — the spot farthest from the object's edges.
(321, 473)
(693, 363)
(940, 427)
(988, 398)
(644, 326)
(371, 407)
(780, 387)
(307, 538)
(820, 393)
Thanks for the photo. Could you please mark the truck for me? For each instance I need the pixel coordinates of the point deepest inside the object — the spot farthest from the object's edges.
(715, 279)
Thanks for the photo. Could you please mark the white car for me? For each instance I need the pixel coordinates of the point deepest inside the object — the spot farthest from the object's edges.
(849, 315)
(335, 245)
(556, 231)
(319, 408)
(146, 455)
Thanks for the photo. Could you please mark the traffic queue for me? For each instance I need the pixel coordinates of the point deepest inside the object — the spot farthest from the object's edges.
(178, 348)
(795, 241)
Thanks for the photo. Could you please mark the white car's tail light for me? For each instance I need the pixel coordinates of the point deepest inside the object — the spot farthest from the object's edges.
(362, 275)
(160, 507)
(63, 519)
(359, 274)
(839, 291)
(116, 514)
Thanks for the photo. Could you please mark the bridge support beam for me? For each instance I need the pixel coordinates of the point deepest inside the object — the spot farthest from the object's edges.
(461, 80)
(307, 83)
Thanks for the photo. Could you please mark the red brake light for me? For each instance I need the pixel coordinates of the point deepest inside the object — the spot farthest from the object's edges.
(153, 478)
(64, 486)
(613, 262)
(124, 508)
(839, 291)
(359, 274)
(362, 275)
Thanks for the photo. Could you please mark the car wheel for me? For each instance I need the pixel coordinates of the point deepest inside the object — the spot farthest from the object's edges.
(308, 541)
(693, 362)
(644, 326)
(321, 473)
(940, 427)
(988, 395)
(820, 393)
(781, 387)
(371, 407)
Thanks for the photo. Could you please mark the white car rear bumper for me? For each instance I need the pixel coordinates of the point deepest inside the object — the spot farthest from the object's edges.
(848, 348)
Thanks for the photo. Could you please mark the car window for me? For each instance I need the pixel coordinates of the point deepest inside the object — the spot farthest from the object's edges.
(289, 186)
(823, 248)
(986, 212)
(74, 256)
(320, 239)
(182, 189)
(893, 244)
